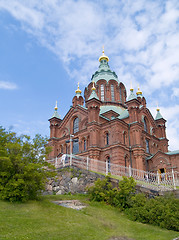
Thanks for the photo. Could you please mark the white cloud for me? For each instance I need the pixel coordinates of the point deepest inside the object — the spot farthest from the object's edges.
(7, 85)
(31, 128)
(175, 92)
(140, 37)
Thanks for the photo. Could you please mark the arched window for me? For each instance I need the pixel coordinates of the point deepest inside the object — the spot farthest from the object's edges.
(145, 125)
(102, 92)
(109, 164)
(76, 125)
(112, 93)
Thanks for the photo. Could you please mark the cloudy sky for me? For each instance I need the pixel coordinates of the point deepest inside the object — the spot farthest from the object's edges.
(47, 46)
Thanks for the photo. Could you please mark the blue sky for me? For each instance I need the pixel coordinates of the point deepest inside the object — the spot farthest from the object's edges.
(47, 46)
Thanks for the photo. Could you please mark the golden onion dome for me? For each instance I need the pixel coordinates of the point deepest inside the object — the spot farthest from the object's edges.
(139, 92)
(78, 90)
(103, 57)
(93, 88)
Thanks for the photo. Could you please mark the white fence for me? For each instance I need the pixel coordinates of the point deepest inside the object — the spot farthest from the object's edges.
(165, 181)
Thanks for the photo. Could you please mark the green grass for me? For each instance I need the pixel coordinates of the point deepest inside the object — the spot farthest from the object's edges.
(45, 220)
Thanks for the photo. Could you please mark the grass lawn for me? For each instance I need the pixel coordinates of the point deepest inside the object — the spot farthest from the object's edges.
(45, 220)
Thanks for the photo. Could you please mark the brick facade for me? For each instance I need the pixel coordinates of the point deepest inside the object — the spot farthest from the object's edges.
(105, 124)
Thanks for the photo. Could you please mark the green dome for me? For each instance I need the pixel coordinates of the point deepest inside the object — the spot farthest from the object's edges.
(104, 72)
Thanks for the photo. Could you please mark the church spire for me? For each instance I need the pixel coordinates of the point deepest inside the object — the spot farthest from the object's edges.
(56, 115)
(158, 115)
(132, 95)
(56, 108)
(93, 93)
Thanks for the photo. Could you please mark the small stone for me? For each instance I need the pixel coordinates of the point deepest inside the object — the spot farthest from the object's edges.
(74, 180)
(49, 187)
(59, 192)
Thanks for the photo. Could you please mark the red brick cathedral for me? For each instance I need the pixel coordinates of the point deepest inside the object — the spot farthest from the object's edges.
(106, 125)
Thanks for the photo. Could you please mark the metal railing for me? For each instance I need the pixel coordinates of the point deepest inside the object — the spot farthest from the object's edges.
(154, 180)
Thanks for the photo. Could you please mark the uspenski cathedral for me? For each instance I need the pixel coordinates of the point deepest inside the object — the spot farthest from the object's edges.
(105, 124)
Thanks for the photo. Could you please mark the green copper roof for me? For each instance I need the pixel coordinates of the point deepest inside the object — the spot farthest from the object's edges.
(56, 115)
(132, 95)
(123, 113)
(104, 72)
(78, 94)
(93, 95)
(158, 116)
(173, 152)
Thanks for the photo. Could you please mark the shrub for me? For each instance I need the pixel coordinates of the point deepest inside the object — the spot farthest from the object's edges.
(100, 191)
(22, 166)
(160, 211)
(103, 191)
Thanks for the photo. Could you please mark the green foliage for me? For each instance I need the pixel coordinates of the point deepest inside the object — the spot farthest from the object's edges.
(100, 191)
(22, 167)
(103, 191)
(160, 211)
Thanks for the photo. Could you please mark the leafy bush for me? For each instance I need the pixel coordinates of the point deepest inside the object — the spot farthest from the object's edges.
(22, 167)
(103, 191)
(100, 191)
(160, 211)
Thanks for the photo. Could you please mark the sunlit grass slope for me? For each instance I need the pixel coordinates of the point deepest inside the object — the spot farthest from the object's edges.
(45, 220)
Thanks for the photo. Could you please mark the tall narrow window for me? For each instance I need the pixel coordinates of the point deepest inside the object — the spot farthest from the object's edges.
(66, 149)
(109, 164)
(75, 145)
(102, 92)
(107, 138)
(76, 125)
(145, 125)
(84, 144)
(61, 148)
(120, 94)
(112, 92)
(147, 145)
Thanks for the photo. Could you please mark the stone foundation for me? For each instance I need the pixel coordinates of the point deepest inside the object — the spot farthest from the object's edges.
(74, 180)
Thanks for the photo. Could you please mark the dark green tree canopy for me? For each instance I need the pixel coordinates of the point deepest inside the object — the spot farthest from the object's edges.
(23, 169)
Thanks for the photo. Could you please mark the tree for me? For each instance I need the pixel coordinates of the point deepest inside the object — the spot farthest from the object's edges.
(23, 169)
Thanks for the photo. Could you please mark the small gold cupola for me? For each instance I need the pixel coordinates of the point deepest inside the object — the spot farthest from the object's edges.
(78, 91)
(93, 88)
(103, 57)
(139, 92)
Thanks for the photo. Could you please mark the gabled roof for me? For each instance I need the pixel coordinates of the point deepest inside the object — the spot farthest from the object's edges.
(122, 112)
(160, 152)
(75, 110)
